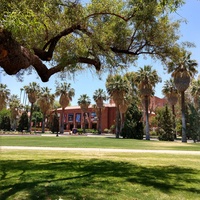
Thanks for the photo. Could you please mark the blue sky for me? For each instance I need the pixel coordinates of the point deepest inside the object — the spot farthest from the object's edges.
(87, 82)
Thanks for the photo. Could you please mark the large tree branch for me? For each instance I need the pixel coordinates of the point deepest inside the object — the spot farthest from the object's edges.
(14, 57)
(47, 55)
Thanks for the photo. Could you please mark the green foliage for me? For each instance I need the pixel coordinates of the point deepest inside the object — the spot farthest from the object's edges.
(37, 117)
(194, 121)
(165, 129)
(5, 119)
(23, 122)
(55, 123)
(112, 128)
(80, 131)
(106, 130)
(153, 133)
(114, 32)
(133, 127)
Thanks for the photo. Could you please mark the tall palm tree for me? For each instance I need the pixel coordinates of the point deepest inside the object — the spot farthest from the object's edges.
(171, 93)
(99, 96)
(66, 93)
(32, 91)
(146, 78)
(21, 90)
(183, 69)
(195, 92)
(117, 87)
(4, 95)
(84, 102)
(45, 102)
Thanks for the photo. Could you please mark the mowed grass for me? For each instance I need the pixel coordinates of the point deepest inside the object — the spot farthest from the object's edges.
(94, 142)
(50, 175)
(97, 175)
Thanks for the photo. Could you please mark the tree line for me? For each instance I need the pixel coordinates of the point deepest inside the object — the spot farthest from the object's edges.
(131, 94)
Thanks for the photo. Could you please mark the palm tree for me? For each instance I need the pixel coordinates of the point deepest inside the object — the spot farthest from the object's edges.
(171, 93)
(117, 87)
(195, 92)
(66, 93)
(4, 95)
(84, 102)
(146, 78)
(99, 96)
(21, 90)
(183, 69)
(32, 91)
(45, 102)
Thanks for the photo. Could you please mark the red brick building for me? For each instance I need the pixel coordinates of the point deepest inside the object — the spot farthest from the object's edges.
(73, 115)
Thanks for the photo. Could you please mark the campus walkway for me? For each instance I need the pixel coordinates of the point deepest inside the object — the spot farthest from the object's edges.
(99, 150)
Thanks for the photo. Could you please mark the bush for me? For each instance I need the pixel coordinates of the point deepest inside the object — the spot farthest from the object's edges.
(133, 127)
(23, 122)
(107, 130)
(153, 133)
(165, 129)
(165, 136)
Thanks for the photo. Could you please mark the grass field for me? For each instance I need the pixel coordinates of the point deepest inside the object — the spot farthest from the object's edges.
(94, 142)
(53, 175)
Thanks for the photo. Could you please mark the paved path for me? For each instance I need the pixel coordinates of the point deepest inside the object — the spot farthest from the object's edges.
(99, 150)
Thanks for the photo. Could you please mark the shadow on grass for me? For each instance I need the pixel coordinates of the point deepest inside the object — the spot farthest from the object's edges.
(74, 179)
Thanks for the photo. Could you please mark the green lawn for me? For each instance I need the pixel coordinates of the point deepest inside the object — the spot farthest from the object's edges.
(50, 175)
(94, 142)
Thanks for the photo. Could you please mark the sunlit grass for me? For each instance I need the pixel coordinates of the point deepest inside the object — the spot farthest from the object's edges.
(94, 142)
(27, 174)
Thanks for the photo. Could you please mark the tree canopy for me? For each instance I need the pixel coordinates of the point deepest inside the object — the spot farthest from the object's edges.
(72, 35)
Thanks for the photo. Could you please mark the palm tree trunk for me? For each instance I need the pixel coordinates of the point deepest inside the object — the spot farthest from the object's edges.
(99, 125)
(30, 118)
(62, 121)
(174, 119)
(43, 122)
(184, 137)
(147, 118)
(117, 122)
(122, 121)
(84, 114)
(21, 95)
(24, 98)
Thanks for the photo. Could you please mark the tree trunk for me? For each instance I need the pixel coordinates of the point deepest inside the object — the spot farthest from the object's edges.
(147, 118)
(99, 125)
(62, 121)
(84, 114)
(117, 122)
(30, 119)
(184, 137)
(43, 122)
(174, 120)
(122, 121)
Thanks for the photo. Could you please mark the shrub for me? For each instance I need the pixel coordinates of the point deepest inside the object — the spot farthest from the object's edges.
(106, 130)
(133, 127)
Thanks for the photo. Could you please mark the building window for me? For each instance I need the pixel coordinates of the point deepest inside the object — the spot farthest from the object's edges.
(93, 117)
(70, 117)
(78, 117)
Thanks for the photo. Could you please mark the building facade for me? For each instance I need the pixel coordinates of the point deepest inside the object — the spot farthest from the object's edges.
(73, 115)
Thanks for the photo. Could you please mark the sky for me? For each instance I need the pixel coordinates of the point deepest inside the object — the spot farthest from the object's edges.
(87, 82)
